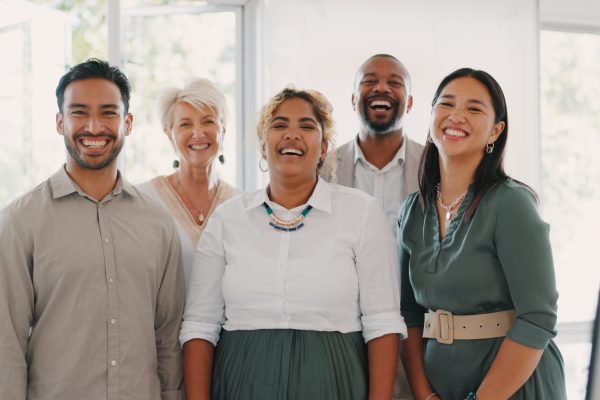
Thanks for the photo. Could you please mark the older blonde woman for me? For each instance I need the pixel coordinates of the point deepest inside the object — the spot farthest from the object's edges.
(193, 119)
(289, 282)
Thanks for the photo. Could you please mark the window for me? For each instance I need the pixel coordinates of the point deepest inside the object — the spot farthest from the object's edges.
(158, 43)
(163, 46)
(570, 138)
(34, 37)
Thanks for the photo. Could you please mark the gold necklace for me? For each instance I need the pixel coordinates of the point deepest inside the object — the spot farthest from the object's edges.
(199, 214)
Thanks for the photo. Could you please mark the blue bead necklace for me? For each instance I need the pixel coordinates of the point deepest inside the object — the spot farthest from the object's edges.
(286, 226)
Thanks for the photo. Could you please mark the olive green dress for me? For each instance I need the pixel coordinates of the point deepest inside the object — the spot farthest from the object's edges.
(499, 259)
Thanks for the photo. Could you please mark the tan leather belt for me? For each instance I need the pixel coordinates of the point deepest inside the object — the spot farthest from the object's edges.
(445, 327)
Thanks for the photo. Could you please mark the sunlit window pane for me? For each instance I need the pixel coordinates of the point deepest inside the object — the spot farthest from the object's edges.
(35, 39)
(570, 108)
(164, 49)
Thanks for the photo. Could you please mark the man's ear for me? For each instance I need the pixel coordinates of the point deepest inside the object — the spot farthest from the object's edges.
(353, 102)
(409, 103)
(128, 123)
(59, 123)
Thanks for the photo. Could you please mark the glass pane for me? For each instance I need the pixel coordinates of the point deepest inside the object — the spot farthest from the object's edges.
(570, 115)
(89, 35)
(577, 358)
(32, 150)
(164, 50)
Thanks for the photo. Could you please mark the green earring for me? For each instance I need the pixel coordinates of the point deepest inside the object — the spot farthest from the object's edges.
(175, 163)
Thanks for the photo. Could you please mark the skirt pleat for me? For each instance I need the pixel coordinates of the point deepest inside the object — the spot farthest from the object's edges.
(285, 364)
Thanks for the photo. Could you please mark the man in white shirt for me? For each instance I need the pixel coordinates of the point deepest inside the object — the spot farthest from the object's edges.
(381, 160)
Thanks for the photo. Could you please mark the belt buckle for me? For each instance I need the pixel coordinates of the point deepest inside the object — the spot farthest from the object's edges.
(444, 330)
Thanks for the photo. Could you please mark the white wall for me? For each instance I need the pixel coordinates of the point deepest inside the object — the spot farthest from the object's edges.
(575, 15)
(320, 43)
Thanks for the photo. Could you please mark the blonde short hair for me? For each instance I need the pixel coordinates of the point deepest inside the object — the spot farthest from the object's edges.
(321, 107)
(197, 92)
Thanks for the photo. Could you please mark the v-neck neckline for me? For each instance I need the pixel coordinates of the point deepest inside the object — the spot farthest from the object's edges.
(454, 222)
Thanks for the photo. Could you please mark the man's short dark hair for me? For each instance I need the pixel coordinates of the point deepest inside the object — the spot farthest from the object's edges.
(90, 69)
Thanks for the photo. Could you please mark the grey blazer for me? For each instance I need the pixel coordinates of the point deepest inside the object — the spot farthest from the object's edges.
(345, 166)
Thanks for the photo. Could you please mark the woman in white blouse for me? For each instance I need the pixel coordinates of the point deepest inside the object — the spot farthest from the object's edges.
(291, 281)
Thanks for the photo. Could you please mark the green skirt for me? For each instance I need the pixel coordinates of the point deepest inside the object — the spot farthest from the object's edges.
(286, 364)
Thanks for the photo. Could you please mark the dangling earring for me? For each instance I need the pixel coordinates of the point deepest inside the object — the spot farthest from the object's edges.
(429, 139)
(175, 163)
(489, 148)
(221, 159)
(260, 165)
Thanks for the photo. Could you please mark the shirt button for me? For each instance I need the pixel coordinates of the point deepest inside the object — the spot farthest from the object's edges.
(113, 321)
(113, 363)
(106, 240)
(111, 280)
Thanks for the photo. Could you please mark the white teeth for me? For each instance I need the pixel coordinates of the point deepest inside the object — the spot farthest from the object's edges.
(383, 103)
(94, 143)
(202, 146)
(292, 151)
(455, 133)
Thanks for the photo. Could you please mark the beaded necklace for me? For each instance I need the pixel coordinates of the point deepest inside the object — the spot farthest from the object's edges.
(283, 225)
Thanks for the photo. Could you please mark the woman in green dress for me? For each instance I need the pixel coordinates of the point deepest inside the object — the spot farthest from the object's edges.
(478, 287)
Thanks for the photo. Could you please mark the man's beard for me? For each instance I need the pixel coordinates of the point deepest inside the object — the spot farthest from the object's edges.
(114, 153)
(380, 128)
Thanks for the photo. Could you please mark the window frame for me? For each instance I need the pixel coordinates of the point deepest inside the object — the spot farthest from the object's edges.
(248, 82)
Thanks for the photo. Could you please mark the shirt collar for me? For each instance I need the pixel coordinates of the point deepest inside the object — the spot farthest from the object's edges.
(320, 198)
(62, 185)
(398, 158)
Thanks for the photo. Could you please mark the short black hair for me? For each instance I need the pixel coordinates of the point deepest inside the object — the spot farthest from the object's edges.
(382, 55)
(90, 69)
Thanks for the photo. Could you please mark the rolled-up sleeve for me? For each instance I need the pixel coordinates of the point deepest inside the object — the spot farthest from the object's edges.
(378, 276)
(205, 308)
(523, 246)
(16, 306)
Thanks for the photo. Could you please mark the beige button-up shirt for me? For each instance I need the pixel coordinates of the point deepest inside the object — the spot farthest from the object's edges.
(91, 296)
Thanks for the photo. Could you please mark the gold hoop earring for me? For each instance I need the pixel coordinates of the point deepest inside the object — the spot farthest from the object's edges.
(260, 165)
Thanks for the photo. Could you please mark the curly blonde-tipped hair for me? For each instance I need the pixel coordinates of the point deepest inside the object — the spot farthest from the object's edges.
(322, 109)
(197, 92)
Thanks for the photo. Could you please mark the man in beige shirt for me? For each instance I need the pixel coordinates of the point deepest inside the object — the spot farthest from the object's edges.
(91, 281)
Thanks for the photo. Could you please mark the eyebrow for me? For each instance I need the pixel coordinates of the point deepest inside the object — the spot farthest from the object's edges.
(103, 106)
(286, 119)
(451, 96)
(372, 74)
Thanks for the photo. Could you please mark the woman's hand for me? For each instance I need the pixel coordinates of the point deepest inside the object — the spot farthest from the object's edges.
(511, 368)
(412, 357)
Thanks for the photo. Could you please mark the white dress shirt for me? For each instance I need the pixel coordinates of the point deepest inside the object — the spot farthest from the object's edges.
(339, 272)
(384, 184)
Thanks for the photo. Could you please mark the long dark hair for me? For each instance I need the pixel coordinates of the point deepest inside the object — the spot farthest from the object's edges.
(490, 170)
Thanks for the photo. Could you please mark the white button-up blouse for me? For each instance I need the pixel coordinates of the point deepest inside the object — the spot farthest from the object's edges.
(339, 272)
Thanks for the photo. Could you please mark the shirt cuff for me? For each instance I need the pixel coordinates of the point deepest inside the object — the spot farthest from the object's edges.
(199, 330)
(377, 325)
(530, 335)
